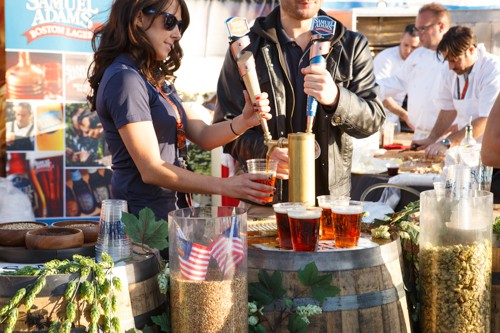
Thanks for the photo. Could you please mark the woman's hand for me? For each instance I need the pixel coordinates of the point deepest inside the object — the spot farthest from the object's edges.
(244, 186)
(253, 112)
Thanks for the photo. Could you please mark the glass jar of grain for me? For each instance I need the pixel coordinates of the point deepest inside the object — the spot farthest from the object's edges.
(455, 261)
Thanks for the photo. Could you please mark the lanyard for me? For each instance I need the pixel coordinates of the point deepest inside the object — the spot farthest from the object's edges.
(464, 90)
(180, 131)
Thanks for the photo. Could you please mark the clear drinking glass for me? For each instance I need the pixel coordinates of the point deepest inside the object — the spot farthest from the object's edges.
(263, 166)
(281, 212)
(347, 221)
(304, 227)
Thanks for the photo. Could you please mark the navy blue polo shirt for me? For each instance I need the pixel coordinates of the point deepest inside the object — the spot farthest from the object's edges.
(295, 59)
(124, 96)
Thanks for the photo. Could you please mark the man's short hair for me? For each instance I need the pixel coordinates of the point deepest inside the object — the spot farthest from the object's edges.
(24, 106)
(456, 41)
(439, 11)
(411, 30)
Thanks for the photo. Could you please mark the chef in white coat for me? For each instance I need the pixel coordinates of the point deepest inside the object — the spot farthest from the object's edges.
(468, 90)
(419, 77)
(387, 63)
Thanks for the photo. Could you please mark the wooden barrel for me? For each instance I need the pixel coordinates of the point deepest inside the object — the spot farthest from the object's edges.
(495, 287)
(372, 296)
(136, 304)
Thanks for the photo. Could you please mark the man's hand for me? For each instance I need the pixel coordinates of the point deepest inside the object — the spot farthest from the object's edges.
(436, 149)
(422, 144)
(281, 155)
(318, 83)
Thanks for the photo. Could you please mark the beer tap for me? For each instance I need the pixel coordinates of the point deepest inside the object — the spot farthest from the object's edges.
(237, 29)
(322, 29)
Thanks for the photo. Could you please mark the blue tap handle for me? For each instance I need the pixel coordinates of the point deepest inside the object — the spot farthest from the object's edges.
(312, 103)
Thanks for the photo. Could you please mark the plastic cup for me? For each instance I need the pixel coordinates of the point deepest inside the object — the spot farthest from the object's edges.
(304, 228)
(281, 213)
(112, 238)
(267, 167)
(347, 222)
(326, 229)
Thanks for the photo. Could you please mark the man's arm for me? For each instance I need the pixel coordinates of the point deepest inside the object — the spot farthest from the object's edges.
(443, 123)
(391, 105)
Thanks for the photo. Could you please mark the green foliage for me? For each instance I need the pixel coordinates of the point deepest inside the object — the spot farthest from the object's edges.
(146, 230)
(320, 284)
(199, 160)
(296, 324)
(269, 291)
(162, 321)
(496, 225)
(82, 267)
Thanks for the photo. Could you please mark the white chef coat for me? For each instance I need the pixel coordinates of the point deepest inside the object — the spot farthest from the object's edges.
(420, 78)
(386, 64)
(482, 89)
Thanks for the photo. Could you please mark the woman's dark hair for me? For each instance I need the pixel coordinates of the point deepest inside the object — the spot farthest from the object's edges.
(122, 34)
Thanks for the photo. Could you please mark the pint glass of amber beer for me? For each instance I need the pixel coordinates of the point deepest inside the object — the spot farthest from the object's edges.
(264, 166)
(326, 229)
(304, 228)
(281, 212)
(347, 222)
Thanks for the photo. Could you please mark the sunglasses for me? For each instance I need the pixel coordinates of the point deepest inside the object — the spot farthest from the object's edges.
(170, 21)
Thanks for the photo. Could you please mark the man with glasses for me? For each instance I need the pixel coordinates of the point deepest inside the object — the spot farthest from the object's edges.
(419, 77)
(387, 63)
(467, 92)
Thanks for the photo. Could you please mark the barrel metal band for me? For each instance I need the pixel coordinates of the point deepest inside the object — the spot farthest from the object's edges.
(287, 261)
(345, 303)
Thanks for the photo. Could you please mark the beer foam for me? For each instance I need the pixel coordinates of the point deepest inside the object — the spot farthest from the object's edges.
(263, 172)
(347, 210)
(283, 207)
(298, 213)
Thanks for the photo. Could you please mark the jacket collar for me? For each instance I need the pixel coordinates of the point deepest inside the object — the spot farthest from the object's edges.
(266, 26)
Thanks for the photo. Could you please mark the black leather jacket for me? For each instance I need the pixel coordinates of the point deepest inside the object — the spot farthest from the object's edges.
(359, 112)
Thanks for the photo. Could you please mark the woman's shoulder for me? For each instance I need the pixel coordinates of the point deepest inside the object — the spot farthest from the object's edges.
(124, 72)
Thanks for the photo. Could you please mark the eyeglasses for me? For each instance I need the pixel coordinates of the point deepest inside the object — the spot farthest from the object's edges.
(170, 20)
(424, 29)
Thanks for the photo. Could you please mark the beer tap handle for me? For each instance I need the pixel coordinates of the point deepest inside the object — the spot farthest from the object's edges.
(322, 28)
(237, 28)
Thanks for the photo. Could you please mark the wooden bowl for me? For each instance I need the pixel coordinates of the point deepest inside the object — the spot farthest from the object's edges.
(13, 233)
(54, 238)
(90, 228)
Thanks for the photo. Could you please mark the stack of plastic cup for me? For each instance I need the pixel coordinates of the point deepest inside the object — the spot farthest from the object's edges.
(112, 238)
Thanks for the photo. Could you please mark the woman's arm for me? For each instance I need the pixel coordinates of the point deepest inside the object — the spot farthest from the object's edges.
(142, 144)
(209, 137)
(490, 151)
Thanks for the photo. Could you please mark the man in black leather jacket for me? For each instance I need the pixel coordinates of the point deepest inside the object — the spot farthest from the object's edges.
(346, 93)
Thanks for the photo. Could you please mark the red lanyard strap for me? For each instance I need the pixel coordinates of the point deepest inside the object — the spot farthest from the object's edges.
(181, 132)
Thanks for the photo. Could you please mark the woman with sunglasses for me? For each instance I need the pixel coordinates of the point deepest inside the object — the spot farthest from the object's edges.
(137, 52)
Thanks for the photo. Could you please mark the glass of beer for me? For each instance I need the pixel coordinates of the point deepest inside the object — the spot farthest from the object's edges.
(347, 221)
(304, 228)
(264, 166)
(326, 229)
(281, 212)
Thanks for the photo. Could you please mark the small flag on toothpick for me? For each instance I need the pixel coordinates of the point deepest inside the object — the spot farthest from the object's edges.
(193, 258)
(227, 249)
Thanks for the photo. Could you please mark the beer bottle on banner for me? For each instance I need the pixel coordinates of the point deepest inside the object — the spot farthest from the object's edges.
(50, 127)
(17, 174)
(72, 208)
(83, 194)
(47, 172)
(98, 185)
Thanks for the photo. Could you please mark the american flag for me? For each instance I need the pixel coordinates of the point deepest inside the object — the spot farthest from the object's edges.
(193, 258)
(227, 249)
